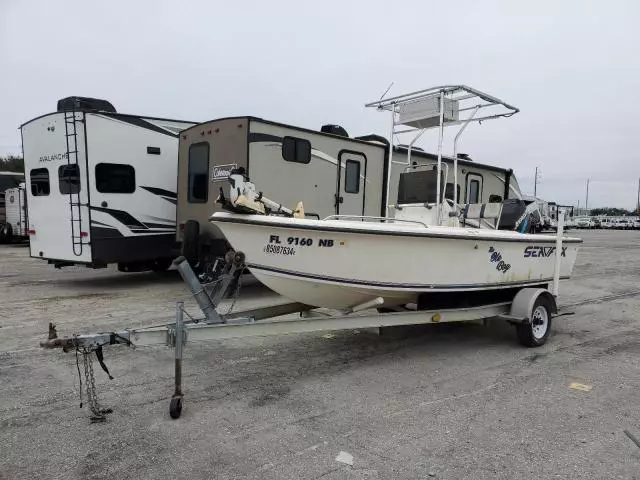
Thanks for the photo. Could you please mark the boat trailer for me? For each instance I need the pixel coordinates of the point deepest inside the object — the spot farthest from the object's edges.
(530, 310)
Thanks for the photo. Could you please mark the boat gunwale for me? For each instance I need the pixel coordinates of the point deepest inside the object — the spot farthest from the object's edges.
(526, 238)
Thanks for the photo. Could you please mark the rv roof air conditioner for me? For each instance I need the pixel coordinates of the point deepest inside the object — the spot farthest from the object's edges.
(404, 145)
(374, 138)
(85, 103)
(334, 130)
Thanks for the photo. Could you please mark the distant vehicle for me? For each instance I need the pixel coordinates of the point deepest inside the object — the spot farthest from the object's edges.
(7, 180)
(607, 223)
(624, 224)
(15, 227)
(636, 224)
(583, 222)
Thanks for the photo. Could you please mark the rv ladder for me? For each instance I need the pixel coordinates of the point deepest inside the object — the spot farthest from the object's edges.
(75, 204)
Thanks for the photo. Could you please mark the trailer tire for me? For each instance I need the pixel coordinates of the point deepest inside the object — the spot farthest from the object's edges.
(191, 242)
(175, 407)
(535, 332)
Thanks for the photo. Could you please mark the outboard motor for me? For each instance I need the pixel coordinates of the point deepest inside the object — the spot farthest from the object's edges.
(517, 215)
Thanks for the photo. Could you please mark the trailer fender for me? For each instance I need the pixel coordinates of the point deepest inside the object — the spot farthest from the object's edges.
(523, 302)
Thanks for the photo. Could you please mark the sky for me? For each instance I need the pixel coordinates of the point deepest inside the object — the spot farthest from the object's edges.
(572, 67)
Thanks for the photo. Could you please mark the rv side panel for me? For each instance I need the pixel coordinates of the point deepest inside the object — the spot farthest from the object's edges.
(326, 182)
(132, 179)
(488, 181)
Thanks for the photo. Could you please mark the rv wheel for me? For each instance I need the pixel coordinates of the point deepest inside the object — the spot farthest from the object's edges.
(161, 265)
(6, 233)
(535, 332)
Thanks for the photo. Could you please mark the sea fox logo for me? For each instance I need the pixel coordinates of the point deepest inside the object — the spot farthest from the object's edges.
(532, 251)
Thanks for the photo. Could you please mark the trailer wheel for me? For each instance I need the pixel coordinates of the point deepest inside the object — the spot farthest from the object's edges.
(535, 332)
(175, 407)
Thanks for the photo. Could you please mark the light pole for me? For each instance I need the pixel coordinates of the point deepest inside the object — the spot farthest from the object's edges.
(535, 182)
(586, 202)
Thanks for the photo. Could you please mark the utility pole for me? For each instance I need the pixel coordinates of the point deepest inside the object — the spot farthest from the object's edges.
(535, 184)
(586, 202)
(638, 209)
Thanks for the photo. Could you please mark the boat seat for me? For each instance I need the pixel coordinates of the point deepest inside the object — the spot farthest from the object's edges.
(478, 211)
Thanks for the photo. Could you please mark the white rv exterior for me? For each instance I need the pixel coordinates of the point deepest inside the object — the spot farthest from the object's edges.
(101, 188)
(7, 180)
(16, 214)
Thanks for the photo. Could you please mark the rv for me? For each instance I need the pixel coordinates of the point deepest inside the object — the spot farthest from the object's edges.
(15, 228)
(332, 173)
(8, 180)
(101, 186)
(477, 182)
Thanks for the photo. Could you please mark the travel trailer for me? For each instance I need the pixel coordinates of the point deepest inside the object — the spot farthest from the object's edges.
(332, 173)
(8, 180)
(16, 225)
(101, 186)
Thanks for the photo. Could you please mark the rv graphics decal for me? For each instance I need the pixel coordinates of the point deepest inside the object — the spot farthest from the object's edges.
(222, 172)
(532, 251)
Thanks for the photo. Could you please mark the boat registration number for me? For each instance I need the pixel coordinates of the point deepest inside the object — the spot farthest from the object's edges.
(286, 246)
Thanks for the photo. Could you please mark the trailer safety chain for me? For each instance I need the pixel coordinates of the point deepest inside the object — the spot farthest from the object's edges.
(236, 294)
(98, 414)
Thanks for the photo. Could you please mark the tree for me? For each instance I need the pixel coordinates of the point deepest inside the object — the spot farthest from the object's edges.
(12, 163)
(611, 212)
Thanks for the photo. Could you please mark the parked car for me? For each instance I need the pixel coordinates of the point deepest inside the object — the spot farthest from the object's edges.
(607, 223)
(583, 222)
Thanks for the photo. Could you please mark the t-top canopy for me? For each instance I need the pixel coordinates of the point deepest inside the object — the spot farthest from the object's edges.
(459, 104)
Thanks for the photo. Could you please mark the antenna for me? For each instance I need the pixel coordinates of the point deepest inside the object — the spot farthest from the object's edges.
(386, 91)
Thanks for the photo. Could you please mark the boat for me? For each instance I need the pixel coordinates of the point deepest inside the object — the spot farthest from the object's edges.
(428, 250)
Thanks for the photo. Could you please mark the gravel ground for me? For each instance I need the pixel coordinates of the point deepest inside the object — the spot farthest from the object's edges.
(443, 402)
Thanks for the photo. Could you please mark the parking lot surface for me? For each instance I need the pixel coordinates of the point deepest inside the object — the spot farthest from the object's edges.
(443, 401)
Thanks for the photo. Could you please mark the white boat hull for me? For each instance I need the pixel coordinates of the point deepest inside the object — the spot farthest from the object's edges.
(340, 264)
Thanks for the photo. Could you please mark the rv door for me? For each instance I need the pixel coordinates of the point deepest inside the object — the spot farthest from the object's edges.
(473, 188)
(352, 167)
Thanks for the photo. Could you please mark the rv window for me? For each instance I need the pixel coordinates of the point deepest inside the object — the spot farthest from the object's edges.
(39, 182)
(198, 191)
(115, 178)
(69, 179)
(473, 196)
(448, 193)
(352, 176)
(495, 198)
(297, 150)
